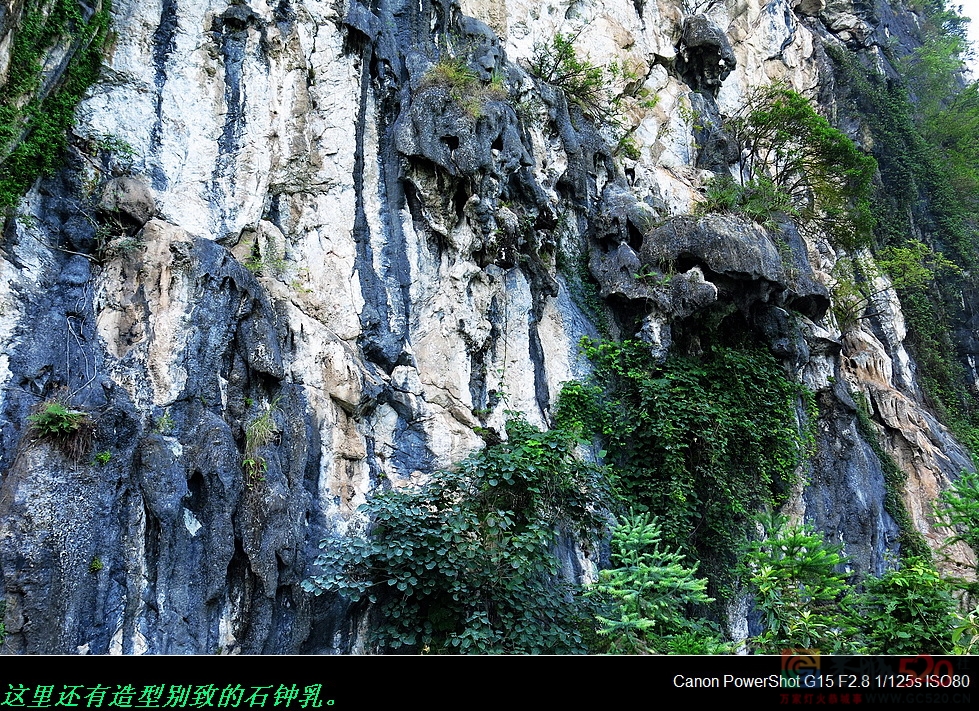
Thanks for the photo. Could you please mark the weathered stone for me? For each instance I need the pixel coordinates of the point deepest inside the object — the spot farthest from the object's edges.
(704, 54)
(809, 7)
(716, 150)
(411, 294)
(128, 200)
(739, 251)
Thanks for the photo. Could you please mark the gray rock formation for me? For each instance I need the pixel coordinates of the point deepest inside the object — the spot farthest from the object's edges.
(704, 55)
(306, 235)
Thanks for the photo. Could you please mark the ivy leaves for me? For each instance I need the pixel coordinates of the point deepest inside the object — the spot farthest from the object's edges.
(699, 441)
(33, 127)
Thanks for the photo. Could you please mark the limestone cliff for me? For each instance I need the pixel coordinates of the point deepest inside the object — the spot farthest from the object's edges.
(270, 212)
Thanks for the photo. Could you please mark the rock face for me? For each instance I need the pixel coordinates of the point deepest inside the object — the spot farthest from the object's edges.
(291, 259)
(704, 55)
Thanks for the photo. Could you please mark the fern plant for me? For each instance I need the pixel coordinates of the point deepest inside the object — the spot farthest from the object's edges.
(70, 430)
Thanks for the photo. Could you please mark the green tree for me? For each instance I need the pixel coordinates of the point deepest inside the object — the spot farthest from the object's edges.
(958, 508)
(758, 199)
(817, 168)
(642, 598)
(466, 563)
(804, 600)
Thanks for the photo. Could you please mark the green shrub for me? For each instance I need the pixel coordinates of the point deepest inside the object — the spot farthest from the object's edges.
(759, 199)
(464, 85)
(453, 73)
(910, 267)
(958, 508)
(466, 563)
(55, 420)
(722, 193)
(628, 147)
(264, 264)
(605, 95)
(165, 423)
(965, 634)
(70, 430)
(259, 433)
(908, 611)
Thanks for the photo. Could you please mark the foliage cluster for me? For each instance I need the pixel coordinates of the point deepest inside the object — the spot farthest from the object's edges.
(793, 156)
(702, 442)
(464, 85)
(467, 563)
(260, 432)
(164, 424)
(758, 199)
(908, 610)
(34, 124)
(807, 601)
(264, 264)
(70, 430)
(858, 280)
(958, 508)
